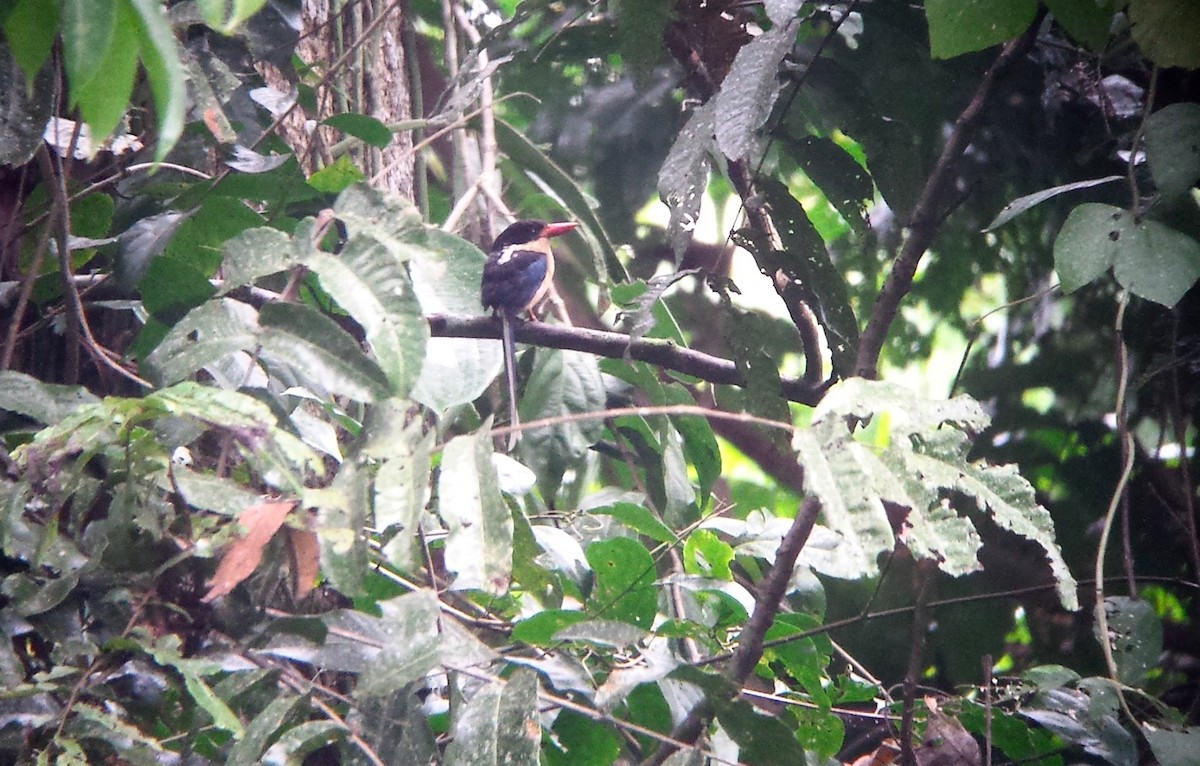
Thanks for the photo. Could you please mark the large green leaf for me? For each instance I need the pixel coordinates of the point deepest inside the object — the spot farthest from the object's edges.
(29, 31)
(161, 58)
(563, 383)
(44, 402)
(341, 518)
(446, 280)
(625, 576)
(319, 352)
(209, 334)
(1150, 259)
(499, 725)
(1167, 31)
(87, 32)
(409, 639)
(1135, 637)
(375, 289)
(479, 542)
(103, 100)
(962, 26)
(397, 438)
(1173, 147)
(257, 253)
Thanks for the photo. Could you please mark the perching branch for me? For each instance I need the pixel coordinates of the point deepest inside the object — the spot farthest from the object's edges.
(928, 213)
(660, 353)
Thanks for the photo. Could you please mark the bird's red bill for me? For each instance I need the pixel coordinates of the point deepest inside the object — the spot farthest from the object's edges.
(554, 229)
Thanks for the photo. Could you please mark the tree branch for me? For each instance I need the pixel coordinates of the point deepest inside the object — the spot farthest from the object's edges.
(750, 644)
(661, 353)
(926, 217)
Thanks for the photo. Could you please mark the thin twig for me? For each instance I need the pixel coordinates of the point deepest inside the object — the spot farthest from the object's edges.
(923, 223)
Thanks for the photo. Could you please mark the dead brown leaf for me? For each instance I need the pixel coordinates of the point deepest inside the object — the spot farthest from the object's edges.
(306, 560)
(261, 522)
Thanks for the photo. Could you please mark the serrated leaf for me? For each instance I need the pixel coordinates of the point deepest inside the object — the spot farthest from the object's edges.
(499, 725)
(375, 289)
(479, 539)
(1173, 147)
(161, 58)
(847, 504)
(909, 413)
(318, 351)
(749, 91)
(683, 177)
(962, 26)
(1022, 204)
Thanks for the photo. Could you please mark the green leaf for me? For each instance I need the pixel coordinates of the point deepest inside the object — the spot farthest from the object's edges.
(341, 517)
(24, 108)
(639, 519)
(225, 16)
(639, 26)
(1135, 636)
(625, 576)
(337, 176)
(29, 31)
(394, 726)
(166, 651)
(381, 215)
(541, 628)
(844, 182)
(256, 253)
(962, 26)
(479, 539)
(749, 91)
(580, 741)
(318, 351)
(707, 555)
(1173, 748)
(1088, 21)
(1022, 204)
(397, 438)
(160, 57)
(1167, 31)
(563, 383)
(1173, 148)
(1088, 243)
(446, 280)
(209, 334)
(499, 725)
(375, 289)
(410, 643)
(683, 177)
(259, 731)
(762, 740)
(1150, 259)
(87, 33)
(607, 633)
(298, 741)
(1085, 720)
(369, 129)
(44, 402)
(202, 235)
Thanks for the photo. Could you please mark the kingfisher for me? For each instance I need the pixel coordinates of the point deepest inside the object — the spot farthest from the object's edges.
(516, 277)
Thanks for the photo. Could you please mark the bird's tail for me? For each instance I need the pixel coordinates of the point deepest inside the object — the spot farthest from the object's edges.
(510, 375)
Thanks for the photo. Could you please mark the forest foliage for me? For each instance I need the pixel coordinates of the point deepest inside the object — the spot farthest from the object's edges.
(863, 424)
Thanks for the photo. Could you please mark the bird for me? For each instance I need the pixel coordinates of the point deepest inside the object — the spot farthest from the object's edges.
(516, 277)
